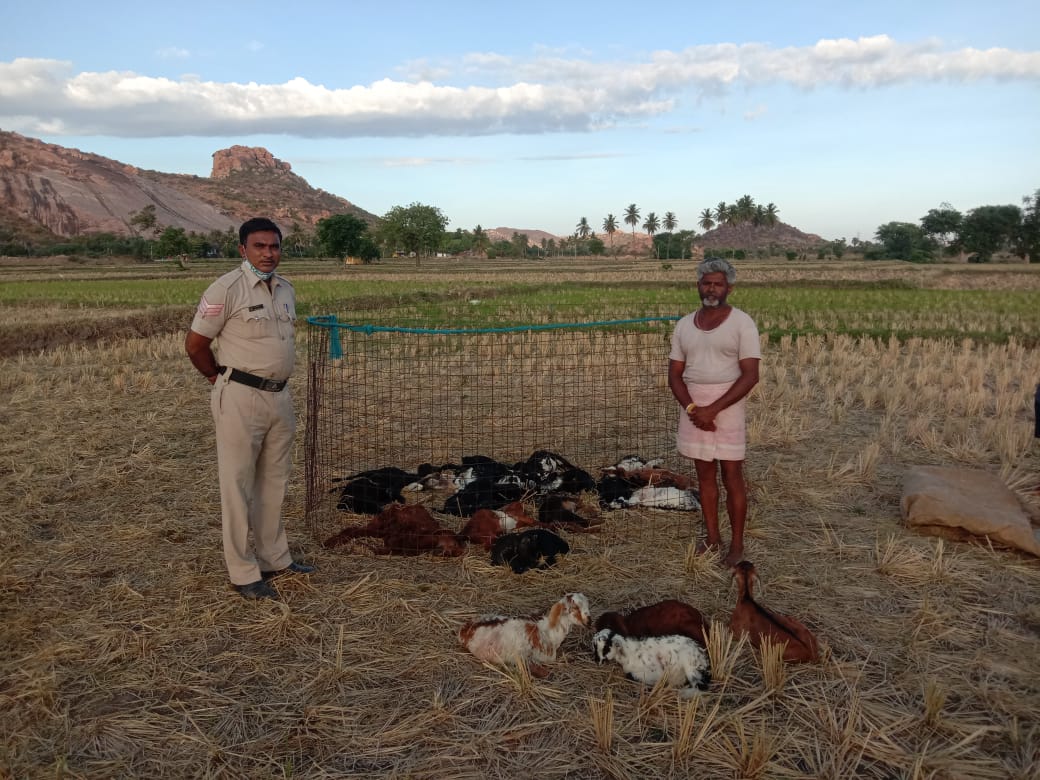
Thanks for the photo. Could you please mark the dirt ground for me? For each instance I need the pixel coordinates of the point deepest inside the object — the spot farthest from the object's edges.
(125, 653)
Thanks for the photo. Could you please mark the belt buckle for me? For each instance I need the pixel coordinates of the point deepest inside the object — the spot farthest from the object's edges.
(271, 385)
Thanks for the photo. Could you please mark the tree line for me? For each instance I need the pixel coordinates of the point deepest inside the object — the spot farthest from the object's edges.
(980, 234)
(419, 230)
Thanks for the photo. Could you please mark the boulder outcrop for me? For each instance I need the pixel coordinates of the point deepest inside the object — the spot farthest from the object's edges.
(66, 192)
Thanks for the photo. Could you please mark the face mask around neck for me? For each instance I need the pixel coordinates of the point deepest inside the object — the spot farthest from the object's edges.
(265, 276)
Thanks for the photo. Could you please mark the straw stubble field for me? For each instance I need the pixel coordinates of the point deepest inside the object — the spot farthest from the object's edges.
(126, 654)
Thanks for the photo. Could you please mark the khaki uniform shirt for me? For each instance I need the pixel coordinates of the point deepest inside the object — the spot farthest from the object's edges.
(255, 327)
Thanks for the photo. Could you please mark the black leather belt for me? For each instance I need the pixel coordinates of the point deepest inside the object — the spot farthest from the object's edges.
(259, 382)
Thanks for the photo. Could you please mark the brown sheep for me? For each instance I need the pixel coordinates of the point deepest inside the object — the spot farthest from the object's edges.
(405, 530)
(486, 525)
(751, 618)
(661, 619)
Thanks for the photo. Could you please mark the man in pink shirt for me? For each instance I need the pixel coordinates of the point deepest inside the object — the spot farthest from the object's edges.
(712, 366)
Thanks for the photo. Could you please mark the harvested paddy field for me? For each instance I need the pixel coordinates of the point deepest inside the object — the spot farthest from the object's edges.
(126, 654)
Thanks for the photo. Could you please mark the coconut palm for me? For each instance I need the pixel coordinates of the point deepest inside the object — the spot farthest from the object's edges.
(650, 225)
(771, 214)
(610, 228)
(745, 209)
(632, 217)
(707, 222)
(583, 229)
(481, 240)
(669, 223)
(519, 243)
(722, 213)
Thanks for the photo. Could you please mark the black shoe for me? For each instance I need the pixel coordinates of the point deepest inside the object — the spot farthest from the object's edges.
(258, 590)
(292, 568)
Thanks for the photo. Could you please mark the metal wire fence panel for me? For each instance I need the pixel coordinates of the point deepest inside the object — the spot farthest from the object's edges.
(387, 396)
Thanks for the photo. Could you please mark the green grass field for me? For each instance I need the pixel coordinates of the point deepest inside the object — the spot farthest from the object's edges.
(810, 299)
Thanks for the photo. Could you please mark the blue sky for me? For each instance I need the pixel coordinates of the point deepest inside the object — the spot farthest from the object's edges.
(534, 115)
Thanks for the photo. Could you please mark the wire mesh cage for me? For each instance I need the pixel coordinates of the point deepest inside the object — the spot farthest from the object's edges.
(391, 392)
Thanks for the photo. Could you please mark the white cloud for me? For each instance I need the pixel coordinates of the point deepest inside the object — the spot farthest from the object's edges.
(545, 94)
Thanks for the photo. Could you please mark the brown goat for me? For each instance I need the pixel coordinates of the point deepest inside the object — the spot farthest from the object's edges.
(442, 542)
(406, 529)
(661, 619)
(486, 525)
(751, 618)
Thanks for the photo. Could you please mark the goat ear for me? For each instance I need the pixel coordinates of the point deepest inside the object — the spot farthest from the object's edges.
(756, 582)
(556, 613)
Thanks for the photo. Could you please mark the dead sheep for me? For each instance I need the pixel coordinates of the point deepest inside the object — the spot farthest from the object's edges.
(500, 640)
(678, 660)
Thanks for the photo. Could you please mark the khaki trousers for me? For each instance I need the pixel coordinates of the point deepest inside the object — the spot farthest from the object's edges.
(255, 432)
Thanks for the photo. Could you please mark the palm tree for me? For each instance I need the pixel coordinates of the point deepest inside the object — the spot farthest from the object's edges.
(632, 217)
(771, 214)
(722, 212)
(582, 228)
(650, 226)
(610, 227)
(480, 239)
(670, 222)
(745, 208)
(519, 243)
(706, 220)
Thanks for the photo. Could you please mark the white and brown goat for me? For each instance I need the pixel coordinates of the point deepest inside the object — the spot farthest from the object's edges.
(486, 525)
(534, 641)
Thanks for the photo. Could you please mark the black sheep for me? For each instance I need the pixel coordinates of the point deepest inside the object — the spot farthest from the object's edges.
(546, 471)
(614, 491)
(482, 493)
(535, 548)
(560, 510)
(369, 492)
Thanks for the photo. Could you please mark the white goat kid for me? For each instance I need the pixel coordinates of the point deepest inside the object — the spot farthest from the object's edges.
(498, 639)
(678, 660)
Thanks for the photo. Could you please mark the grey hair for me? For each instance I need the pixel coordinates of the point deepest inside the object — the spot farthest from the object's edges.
(716, 265)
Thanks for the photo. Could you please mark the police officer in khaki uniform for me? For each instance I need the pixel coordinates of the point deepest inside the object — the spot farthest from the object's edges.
(242, 340)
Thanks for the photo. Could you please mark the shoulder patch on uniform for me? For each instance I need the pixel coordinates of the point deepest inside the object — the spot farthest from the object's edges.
(207, 309)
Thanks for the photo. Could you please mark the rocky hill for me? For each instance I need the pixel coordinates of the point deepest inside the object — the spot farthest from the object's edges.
(51, 189)
(624, 242)
(749, 237)
(534, 237)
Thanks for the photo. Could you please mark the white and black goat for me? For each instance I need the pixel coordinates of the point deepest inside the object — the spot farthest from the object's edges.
(678, 660)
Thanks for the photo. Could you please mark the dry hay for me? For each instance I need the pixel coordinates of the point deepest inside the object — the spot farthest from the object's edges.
(124, 653)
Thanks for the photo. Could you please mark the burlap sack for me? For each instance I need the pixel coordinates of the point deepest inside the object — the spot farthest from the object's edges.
(938, 500)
